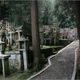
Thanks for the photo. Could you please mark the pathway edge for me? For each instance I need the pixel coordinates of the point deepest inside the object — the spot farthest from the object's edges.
(75, 65)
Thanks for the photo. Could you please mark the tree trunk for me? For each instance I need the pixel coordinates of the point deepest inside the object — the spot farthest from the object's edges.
(77, 7)
(35, 34)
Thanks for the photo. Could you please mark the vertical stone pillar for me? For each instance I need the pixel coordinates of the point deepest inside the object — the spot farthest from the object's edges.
(23, 54)
(4, 65)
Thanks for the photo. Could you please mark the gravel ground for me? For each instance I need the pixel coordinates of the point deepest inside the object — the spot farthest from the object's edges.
(62, 65)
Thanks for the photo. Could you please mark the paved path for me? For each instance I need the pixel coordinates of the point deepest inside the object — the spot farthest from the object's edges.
(62, 65)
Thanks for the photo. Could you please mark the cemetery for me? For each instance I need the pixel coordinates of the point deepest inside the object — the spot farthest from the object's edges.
(13, 53)
(38, 39)
(17, 54)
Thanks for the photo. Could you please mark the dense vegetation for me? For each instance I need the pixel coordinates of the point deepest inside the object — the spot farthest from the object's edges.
(18, 13)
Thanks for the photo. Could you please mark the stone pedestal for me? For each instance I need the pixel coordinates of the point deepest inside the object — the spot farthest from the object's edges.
(4, 65)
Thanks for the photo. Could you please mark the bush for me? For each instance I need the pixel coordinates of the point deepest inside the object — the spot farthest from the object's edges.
(47, 52)
(64, 42)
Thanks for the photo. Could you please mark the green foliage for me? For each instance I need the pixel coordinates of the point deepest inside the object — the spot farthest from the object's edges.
(60, 12)
(64, 42)
(46, 9)
(19, 11)
(19, 14)
(65, 14)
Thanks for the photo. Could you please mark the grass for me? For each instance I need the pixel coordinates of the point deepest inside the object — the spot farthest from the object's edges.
(18, 76)
(51, 47)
